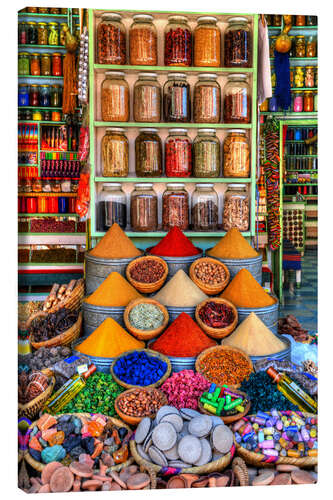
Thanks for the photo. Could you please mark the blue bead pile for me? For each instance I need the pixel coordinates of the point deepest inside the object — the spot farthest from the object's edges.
(138, 368)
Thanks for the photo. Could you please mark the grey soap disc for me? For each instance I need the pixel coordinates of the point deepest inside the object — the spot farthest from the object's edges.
(172, 454)
(157, 456)
(165, 410)
(206, 453)
(142, 453)
(222, 438)
(142, 430)
(184, 431)
(200, 426)
(189, 449)
(188, 413)
(216, 420)
(164, 436)
(179, 464)
(174, 419)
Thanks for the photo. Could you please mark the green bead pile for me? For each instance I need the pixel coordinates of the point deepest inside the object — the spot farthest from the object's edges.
(98, 396)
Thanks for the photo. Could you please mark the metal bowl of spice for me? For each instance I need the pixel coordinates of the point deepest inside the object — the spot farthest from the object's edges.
(217, 317)
(135, 404)
(210, 275)
(145, 318)
(147, 274)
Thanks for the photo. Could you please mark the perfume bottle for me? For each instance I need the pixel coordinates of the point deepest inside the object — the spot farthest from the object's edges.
(68, 391)
(292, 391)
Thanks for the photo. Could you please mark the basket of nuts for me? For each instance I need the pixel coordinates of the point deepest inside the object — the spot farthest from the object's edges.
(135, 404)
(210, 275)
(147, 274)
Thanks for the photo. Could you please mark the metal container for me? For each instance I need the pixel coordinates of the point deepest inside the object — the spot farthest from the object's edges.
(277, 356)
(268, 315)
(93, 316)
(174, 312)
(98, 269)
(254, 265)
(102, 364)
(176, 263)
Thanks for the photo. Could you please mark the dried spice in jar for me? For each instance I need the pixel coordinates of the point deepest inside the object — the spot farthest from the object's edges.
(308, 102)
(207, 42)
(272, 45)
(216, 315)
(236, 154)
(309, 76)
(300, 21)
(277, 20)
(115, 97)
(114, 153)
(147, 99)
(32, 33)
(147, 271)
(56, 64)
(34, 95)
(236, 209)
(311, 46)
(42, 34)
(148, 153)
(237, 100)
(175, 207)
(144, 208)
(111, 40)
(62, 34)
(178, 153)
(204, 208)
(299, 76)
(45, 64)
(143, 41)
(23, 67)
(298, 101)
(177, 42)
(22, 33)
(53, 37)
(111, 207)
(206, 154)
(176, 98)
(207, 99)
(237, 43)
(300, 46)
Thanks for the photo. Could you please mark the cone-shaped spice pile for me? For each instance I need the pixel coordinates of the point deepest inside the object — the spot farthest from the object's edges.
(115, 291)
(245, 291)
(115, 245)
(233, 246)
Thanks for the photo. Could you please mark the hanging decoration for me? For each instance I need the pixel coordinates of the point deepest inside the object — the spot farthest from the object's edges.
(70, 73)
(282, 65)
(83, 67)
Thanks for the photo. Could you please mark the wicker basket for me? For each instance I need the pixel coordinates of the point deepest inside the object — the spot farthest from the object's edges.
(221, 348)
(259, 460)
(150, 353)
(145, 334)
(72, 301)
(39, 466)
(209, 289)
(136, 420)
(65, 338)
(215, 466)
(30, 410)
(232, 418)
(147, 287)
(217, 333)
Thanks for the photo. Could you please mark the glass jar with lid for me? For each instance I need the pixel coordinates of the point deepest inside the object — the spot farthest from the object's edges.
(45, 64)
(207, 42)
(178, 153)
(53, 37)
(44, 96)
(62, 34)
(272, 41)
(111, 40)
(309, 76)
(42, 34)
(176, 98)
(237, 100)
(299, 76)
(308, 101)
(300, 46)
(205, 203)
(277, 20)
(23, 95)
(311, 20)
(35, 69)
(55, 96)
(206, 154)
(237, 43)
(143, 41)
(43, 10)
(32, 33)
(311, 46)
(22, 33)
(37, 185)
(144, 208)
(56, 64)
(147, 99)
(34, 95)
(115, 97)
(175, 207)
(207, 99)
(148, 153)
(177, 42)
(37, 115)
(292, 46)
(298, 101)
(315, 102)
(236, 154)
(300, 20)
(54, 10)
(236, 209)
(32, 10)
(111, 207)
(115, 149)
(23, 67)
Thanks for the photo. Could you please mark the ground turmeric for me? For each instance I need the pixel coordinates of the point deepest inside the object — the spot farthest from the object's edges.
(245, 291)
(233, 246)
(115, 244)
(115, 291)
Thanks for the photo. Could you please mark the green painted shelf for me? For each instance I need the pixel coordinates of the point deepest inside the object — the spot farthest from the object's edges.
(286, 114)
(43, 122)
(49, 234)
(193, 180)
(301, 170)
(26, 165)
(160, 234)
(31, 46)
(168, 69)
(300, 59)
(304, 88)
(40, 108)
(294, 28)
(38, 14)
(38, 77)
(48, 215)
(301, 184)
(172, 125)
(302, 156)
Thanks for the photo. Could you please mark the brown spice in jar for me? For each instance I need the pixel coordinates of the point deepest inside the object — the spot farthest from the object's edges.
(236, 156)
(147, 102)
(209, 273)
(311, 48)
(207, 103)
(115, 103)
(144, 212)
(207, 46)
(205, 216)
(175, 208)
(143, 46)
(236, 213)
(141, 403)
(147, 271)
(237, 108)
(111, 44)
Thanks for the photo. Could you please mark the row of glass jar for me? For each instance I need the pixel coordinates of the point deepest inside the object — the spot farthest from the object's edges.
(306, 101)
(40, 64)
(181, 158)
(32, 33)
(48, 185)
(203, 215)
(179, 48)
(40, 95)
(300, 46)
(40, 115)
(46, 204)
(49, 10)
(298, 20)
(147, 99)
(300, 76)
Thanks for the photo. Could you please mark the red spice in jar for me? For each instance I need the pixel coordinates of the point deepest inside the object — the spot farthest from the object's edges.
(175, 244)
(56, 64)
(111, 44)
(178, 47)
(178, 157)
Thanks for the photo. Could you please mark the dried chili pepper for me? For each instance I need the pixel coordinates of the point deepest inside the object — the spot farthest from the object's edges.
(216, 315)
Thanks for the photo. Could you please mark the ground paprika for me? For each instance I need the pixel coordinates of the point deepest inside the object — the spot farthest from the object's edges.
(175, 244)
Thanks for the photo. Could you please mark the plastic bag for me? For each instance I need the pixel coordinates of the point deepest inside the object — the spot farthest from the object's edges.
(301, 352)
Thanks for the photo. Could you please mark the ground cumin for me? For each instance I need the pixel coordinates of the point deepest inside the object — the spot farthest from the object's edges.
(115, 291)
(233, 246)
(245, 291)
(115, 245)
(180, 291)
(109, 340)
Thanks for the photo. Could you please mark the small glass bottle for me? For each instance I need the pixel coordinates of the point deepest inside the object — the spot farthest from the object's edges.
(207, 99)
(178, 153)
(300, 46)
(237, 100)
(56, 64)
(23, 67)
(272, 40)
(300, 21)
(298, 101)
(176, 98)
(236, 154)
(311, 20)
(204, 208)
(143, 41)
(55, 95)
(111, 40)
(144, 206)
(62, 34)
(34, 95)
(308, 101)
(236, 209)
(311, 46)
(206, 154)
(147, 99)
(277, 20)
(299, 76)
(177, 42)
(45, 64)
(42, 34)
(237, 43)
(53, 37)
(22, 33)
(111, 207)
(292, 391)
(148, 153)
(207, 42)
(115, 149)
(32, 33)
(115, 97)
(175, 207)
(309, 76)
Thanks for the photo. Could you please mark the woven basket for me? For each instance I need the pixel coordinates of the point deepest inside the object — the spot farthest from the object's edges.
(65, 338)
(150, 353)
(72, 301)
(228, 419)
(30, 410)
(145, 334)
(209, 289)
(217, 333)
(221, 348)
(39, 466)
(215, 466)
(147, 287)
(259, 459)
(136, 420)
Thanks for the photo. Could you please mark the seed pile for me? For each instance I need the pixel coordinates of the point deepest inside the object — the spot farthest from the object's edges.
(141, 403)
(210, 273)
(216, 315)
(146, 316)
(225, 367)
(147, 271)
